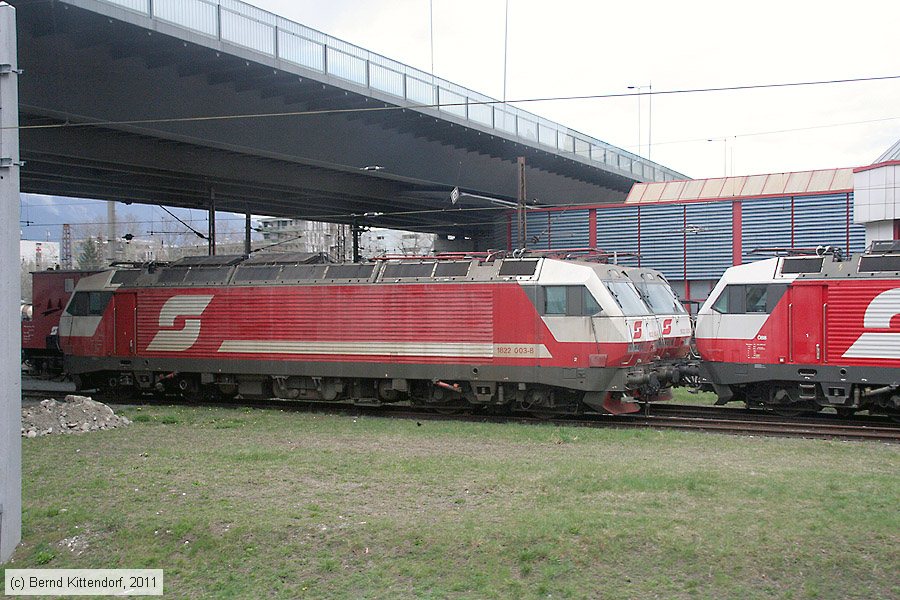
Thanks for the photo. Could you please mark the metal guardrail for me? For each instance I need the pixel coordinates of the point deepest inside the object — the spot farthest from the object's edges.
(245, 25)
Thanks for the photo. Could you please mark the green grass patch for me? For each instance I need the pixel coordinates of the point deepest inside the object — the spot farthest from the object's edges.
(683, 395)
(250, 503)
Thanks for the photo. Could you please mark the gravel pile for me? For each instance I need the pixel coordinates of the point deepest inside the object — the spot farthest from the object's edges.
(76, 414)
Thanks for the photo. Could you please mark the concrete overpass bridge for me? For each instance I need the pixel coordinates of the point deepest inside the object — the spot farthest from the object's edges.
(115, 95)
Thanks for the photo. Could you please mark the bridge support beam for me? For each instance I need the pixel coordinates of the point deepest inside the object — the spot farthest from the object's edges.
(10, 294)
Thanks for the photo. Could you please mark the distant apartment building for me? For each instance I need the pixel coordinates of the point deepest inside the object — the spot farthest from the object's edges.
(387, 242)
(297, 235)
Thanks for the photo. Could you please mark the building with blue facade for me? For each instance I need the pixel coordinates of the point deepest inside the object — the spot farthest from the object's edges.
(692, 230)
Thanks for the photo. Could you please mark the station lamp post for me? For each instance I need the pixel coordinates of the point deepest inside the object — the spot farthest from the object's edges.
(649, 88)
(724, 141)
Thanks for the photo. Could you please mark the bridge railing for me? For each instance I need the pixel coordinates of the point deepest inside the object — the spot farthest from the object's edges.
(240, 23)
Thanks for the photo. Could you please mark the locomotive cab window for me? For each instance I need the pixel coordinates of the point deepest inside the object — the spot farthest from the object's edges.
(555, 300)
(721, 303)
(88, 304)
(756, 298)
(749, 299)
(568, 300)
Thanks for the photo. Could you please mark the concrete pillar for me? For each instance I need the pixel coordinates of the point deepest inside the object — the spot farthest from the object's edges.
(10, 293)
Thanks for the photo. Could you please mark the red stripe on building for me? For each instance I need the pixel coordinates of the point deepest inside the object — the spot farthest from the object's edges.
(737, 233)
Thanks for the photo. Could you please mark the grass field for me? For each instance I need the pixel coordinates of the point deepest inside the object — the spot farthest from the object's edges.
(240, 503)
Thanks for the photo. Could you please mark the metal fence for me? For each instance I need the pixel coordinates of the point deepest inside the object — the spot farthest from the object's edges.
(244, 25)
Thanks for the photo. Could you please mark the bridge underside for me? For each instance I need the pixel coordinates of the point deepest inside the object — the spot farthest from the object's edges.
(85, 74)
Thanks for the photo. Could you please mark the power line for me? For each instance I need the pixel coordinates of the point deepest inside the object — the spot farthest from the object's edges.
(331, 216)
(337, 111)
(776, 131)
(174, 216)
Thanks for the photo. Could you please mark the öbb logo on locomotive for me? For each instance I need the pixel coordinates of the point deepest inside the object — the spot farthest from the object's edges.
(178, 340)
(879, 315)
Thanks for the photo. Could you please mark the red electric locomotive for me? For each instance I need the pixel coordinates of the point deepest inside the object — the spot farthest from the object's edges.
(801, 333)
(533, 334)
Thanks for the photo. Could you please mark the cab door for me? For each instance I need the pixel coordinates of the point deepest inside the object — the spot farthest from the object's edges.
(126, 322)
(807, 312)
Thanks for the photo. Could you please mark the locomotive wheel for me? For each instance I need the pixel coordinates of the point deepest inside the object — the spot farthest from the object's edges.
(188, 388)
(450, 409)
(788, 410)
(110, 390)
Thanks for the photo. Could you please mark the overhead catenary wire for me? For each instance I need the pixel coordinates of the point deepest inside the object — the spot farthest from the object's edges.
(173, 215)
(382, 217)
(777, 131)
(332, 216)
(389, 108)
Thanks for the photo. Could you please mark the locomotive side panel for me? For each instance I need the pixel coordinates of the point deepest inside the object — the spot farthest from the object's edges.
(864, 323)
(393, 324)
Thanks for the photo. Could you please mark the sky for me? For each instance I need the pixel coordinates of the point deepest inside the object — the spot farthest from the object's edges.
(588, 47)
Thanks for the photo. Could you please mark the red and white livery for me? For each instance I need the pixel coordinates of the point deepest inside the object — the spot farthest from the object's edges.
(802, 333)
(533, 334)
(672, 319)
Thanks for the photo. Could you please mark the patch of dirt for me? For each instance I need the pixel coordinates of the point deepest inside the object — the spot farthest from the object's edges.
(75, 414)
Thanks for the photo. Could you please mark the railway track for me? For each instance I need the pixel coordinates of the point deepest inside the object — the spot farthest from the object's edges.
(767, 427)
(713, 419)
(733, 426)
(756, 414)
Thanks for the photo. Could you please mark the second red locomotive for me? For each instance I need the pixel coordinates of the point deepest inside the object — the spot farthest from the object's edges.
(801, 333)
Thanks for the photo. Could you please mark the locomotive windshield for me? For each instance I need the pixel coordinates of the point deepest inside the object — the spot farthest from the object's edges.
(88, 304)
(661, 299)
(627, 297)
